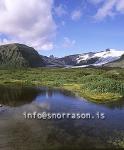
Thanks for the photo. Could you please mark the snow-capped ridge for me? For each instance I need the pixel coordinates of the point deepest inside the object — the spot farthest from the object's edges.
(99, 58)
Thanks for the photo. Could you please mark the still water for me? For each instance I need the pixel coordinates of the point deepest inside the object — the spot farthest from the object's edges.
(18, 133)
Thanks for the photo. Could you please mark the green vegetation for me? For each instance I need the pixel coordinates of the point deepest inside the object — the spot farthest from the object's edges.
(19, 56)
(101, 85)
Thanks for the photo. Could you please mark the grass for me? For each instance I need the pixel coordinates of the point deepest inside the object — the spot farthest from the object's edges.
(100, 85)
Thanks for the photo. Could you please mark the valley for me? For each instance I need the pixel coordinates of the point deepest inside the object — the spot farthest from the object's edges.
(61, 74)
(87, 75)
(90, 82)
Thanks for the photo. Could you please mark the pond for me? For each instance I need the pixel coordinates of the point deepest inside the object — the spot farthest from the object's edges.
(99, 125)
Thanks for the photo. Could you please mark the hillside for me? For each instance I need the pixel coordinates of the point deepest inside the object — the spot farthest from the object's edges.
(118, 63)
(19, 55)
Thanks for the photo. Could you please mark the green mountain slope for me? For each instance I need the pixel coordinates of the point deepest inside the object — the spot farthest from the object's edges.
(19, 55)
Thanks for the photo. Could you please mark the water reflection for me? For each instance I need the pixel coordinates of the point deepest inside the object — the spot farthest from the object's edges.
(16, 133)
(116, 104)
(16, 96)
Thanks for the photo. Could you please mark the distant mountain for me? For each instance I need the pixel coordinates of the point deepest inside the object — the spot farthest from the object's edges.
(118, 63)
(69, 60)
(108, 56)
(19, 55)
(92, 58)
(52, 61)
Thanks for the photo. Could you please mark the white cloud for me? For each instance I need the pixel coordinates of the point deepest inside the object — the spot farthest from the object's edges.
(109, 8)
(105, 10)
(68, 43)
(76, 15)
(60, 10)
(28, 22)
(120, 6)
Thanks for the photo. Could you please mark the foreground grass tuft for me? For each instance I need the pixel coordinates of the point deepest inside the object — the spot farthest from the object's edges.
(100, 85)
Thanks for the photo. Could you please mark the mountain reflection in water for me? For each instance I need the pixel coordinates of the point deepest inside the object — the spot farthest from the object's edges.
(18, 133)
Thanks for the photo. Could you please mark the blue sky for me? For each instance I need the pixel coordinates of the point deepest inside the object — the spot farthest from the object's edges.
(63, 27)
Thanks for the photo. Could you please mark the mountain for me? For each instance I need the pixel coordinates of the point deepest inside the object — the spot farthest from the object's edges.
(69, 60)
(52, 61)
(19, 55)
(92, 58)
(108, 56)
(118, 63)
